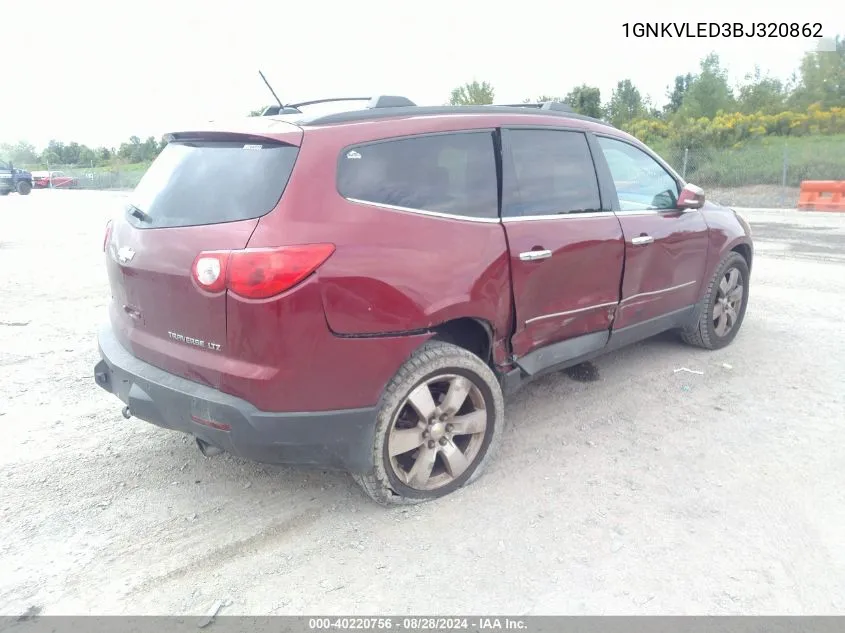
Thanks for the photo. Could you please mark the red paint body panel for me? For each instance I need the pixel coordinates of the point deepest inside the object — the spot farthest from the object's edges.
(153, 294)
(297, 364)
(580, 278)
(726, 233)
(392, 271)
(665, 275)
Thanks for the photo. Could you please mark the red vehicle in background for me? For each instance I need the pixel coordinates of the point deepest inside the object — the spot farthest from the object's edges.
(53, 180)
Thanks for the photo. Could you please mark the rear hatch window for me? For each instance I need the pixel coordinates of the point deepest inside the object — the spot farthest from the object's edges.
(200, 182)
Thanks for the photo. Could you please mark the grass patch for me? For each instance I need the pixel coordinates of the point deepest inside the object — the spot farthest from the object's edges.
(762, 162)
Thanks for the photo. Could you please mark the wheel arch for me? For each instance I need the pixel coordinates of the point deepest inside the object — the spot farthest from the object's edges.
(471, 333)
(745, 249)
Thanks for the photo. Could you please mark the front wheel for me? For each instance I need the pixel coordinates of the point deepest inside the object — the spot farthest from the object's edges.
(439, 425)
(723, 309)
(24, 188)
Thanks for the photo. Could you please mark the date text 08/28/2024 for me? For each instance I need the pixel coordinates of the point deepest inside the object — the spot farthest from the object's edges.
(723, 29)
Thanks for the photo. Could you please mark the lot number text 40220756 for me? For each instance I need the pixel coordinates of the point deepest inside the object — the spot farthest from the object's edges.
(722, 29)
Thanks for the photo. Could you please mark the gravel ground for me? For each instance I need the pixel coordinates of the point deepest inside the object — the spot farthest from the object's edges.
(643, 492)
(766, 196)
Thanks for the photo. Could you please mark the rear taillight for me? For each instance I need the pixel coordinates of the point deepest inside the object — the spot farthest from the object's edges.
(258, 273)
(108, 235)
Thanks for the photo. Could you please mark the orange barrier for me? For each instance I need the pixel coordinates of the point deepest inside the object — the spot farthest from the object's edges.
(822, 195)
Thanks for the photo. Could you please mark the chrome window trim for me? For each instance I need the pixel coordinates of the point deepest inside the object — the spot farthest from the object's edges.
(568, 312)
(435, 214)
(657, 292)
(642, 211)
(558, 216)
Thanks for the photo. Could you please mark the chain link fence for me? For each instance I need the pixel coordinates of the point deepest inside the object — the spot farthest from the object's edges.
(765, 177)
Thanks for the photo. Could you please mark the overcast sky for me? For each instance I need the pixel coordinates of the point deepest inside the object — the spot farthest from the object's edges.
(97, 71)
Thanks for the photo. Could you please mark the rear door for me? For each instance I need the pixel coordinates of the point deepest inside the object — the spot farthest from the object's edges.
(665, 247)
(200, 194)
(566, 246)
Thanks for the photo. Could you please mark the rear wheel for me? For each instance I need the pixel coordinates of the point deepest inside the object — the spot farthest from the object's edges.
(24, 188)
(439, 425)
(723, 308)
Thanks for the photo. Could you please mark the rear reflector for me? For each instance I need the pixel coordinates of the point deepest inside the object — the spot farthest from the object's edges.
(258, 273)
(220, 426)
(108, 235)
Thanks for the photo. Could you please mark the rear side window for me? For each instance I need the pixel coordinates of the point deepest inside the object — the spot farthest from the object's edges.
(446, 173)
(209, 182)
(554, 173)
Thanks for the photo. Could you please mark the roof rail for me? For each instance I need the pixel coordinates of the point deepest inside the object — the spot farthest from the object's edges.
(382, 112)
(557, 106)
(379, 101)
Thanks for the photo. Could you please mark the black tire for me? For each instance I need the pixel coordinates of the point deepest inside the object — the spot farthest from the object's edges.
(434, 360)
(4, 192)
(24, 188)
(703, 332)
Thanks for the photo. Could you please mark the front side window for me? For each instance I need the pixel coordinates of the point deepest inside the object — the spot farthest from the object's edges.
(641, 182)
(554, 173)
(445, 173)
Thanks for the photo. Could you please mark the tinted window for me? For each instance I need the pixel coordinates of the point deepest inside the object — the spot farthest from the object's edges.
(641, 182)
(447, 173)
(554, 173)
(193, 183)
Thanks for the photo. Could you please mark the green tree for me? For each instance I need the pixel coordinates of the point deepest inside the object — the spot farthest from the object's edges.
(20, 153)
(87, 156)
(626, 103)
(676, 94)
(585, 100)
(761, 94)
(821, 78)
(709, 92)
(55, 152)
(472, 93)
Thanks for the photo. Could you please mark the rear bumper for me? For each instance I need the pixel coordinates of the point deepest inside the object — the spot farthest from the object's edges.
(331, 439)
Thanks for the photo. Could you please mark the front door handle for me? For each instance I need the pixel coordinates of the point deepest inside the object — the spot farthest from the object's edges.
(530, 256)
(642, 240)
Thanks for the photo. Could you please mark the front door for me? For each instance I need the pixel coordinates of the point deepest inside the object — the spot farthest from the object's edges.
(665, 247)
(566, 245)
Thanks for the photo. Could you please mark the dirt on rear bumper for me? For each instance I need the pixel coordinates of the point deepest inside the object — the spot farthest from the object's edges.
(330, 439)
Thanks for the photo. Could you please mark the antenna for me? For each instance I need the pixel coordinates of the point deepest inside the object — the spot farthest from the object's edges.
(281, 105)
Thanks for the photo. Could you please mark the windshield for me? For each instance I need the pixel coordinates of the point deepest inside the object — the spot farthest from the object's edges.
(208, 182)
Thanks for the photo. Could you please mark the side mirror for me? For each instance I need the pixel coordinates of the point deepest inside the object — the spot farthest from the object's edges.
(691, 197)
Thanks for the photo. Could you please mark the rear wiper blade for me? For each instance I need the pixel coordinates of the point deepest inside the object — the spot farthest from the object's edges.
(135, 211)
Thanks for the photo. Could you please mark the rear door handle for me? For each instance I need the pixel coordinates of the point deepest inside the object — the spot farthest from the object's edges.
(530, 256)
(642, 240)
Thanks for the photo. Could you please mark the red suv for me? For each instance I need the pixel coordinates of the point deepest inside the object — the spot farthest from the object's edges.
(358, 290)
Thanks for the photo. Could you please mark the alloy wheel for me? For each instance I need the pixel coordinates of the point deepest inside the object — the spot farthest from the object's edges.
(728, 303)
(438, 432)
